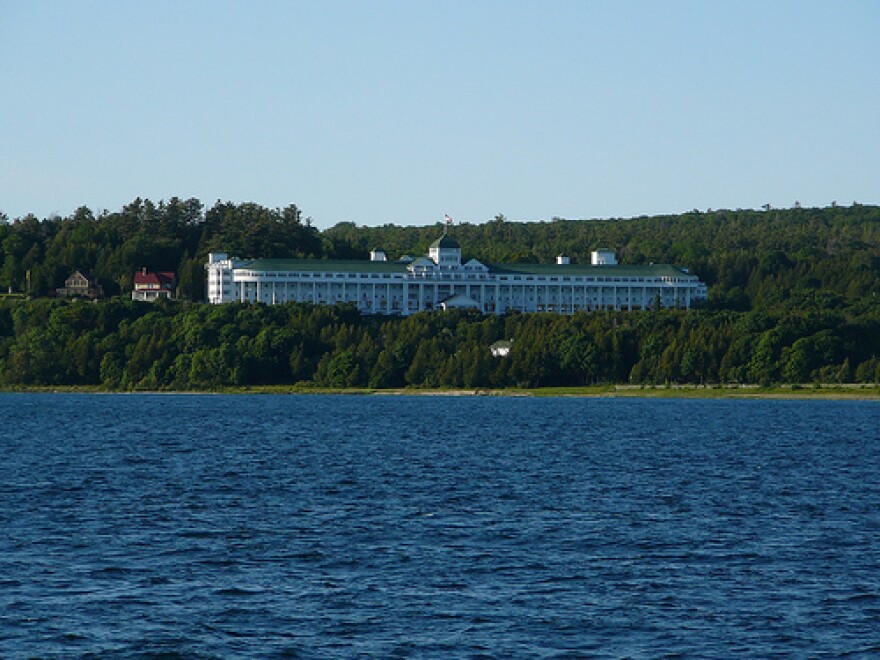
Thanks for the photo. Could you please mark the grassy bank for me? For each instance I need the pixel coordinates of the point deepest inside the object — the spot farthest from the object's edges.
(828, 391)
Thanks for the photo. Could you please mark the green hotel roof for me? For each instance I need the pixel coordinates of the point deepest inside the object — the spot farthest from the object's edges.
(324, 265)
(446, 242)
(625, 270)
(352, 266)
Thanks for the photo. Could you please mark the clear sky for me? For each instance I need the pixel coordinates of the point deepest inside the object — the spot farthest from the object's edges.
(402, 111)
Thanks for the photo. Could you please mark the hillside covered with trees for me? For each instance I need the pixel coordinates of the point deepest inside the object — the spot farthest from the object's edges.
(792, 298)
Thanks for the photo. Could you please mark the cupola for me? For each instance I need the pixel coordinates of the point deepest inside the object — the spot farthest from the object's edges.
(445, 252)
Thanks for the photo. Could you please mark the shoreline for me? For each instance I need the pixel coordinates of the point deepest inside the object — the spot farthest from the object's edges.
(849, 391)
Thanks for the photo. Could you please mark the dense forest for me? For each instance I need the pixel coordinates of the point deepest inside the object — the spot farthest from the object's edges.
(792, 298)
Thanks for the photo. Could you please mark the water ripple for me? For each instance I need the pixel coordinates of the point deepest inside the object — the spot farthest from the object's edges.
(300, 526)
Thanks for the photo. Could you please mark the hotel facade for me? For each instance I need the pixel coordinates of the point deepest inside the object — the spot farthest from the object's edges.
(441, 281)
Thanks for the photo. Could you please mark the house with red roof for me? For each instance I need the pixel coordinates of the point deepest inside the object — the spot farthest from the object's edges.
(149, 287)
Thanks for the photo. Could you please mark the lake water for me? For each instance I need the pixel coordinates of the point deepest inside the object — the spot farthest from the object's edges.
(392, 526)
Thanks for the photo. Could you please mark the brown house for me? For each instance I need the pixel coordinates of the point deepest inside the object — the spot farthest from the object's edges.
(80, 285)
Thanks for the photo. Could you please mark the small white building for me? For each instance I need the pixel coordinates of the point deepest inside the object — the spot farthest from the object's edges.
(603, 257)
(501, 348)
(441, 281)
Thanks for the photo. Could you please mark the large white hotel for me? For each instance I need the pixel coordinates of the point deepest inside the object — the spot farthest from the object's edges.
(441, 281)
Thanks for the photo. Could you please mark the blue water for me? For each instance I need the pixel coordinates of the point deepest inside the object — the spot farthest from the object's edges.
(325, 526)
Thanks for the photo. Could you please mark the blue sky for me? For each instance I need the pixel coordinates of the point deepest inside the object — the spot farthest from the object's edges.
(401, 111)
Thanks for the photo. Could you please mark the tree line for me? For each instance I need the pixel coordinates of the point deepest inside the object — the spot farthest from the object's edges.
(177, 235)
(120, 344)
(792, 298)
(750, 259)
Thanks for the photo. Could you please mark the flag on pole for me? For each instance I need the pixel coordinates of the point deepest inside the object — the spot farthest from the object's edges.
(448, 224)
